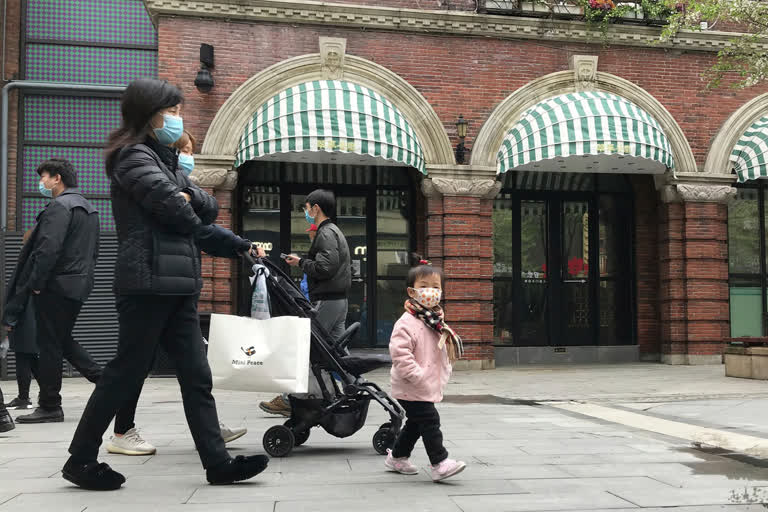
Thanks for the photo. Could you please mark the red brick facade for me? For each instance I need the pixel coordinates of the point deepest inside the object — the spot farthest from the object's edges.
(680, 248)
(458, 229)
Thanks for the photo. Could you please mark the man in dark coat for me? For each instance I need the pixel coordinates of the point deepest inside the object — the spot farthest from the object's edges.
(20, 320)
(57, 275)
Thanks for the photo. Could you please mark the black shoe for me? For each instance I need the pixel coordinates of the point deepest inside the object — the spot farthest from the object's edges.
(43, 416)
(19, 403)
(6, 422)
(92, 476)
(237, 469)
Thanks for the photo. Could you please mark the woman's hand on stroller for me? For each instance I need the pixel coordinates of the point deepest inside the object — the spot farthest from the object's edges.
(257, 252)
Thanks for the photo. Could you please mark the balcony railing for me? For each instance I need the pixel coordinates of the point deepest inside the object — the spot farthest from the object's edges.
(646, 12)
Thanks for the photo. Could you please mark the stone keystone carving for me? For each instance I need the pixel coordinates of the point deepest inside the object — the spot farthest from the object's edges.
(210, 178)
(584, 70)
(332, 50)
(435, 187)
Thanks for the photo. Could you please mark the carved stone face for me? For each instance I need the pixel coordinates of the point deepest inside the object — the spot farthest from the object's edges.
(586, 71)
(333, 58)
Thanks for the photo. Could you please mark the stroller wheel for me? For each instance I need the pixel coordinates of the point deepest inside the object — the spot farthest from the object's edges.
(299, 438)
(278, 441)
(383, 439)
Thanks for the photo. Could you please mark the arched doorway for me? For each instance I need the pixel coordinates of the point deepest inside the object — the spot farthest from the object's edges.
(350, 139)
(564, 221)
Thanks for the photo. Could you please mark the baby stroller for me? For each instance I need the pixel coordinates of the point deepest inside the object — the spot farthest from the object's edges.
(343, 407)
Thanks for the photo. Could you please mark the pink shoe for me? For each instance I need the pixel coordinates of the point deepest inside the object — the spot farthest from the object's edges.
(447, 469)
(400, 465)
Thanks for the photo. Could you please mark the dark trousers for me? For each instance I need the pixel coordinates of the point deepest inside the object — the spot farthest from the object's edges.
(26, 368)
(147, 321)
(423, 422)
(56, 316)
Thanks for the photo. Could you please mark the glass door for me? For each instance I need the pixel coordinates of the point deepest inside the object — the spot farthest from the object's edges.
(555, 281)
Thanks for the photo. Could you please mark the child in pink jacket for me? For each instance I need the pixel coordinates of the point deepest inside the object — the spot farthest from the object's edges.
(422, 349)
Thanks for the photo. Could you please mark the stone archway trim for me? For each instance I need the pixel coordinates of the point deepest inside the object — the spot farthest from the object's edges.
(718, 158)
(224, 133)
(510, 110)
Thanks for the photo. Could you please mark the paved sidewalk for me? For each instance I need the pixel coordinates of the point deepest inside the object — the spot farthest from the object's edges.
(522, 456)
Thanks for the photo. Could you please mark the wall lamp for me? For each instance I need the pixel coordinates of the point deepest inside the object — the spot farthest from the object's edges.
(204, 80)
(461, 131)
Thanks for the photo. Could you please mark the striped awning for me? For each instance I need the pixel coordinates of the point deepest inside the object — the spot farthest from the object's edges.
(750, 154)
(333, 117)
(617, 134)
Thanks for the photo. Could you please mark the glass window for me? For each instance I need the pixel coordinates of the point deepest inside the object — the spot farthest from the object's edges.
(261, 218)
(504, 311)
(390, 300)
(744, 233)
(502, 237)
(392, 233)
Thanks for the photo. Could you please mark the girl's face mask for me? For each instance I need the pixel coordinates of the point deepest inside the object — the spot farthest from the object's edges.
(427, 297)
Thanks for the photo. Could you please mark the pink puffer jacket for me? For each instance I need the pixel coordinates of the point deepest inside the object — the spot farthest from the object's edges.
(420, 370)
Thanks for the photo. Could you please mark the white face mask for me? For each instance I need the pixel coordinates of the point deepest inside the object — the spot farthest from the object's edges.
(427, 297)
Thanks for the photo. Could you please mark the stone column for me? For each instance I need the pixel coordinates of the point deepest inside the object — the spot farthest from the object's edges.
(215, 176)
(459, 238)
(693, 272)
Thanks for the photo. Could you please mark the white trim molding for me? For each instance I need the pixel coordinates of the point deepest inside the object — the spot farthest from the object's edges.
(718, 158)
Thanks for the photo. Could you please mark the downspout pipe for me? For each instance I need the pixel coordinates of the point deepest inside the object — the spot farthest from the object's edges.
(35, 86)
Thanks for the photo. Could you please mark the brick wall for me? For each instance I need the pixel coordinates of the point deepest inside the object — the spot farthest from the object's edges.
(457, 75)
(693, 271)
(459, 240)
(646, 268)
(217, 295)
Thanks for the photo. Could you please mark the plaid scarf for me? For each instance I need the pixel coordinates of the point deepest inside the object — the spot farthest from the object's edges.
(435, 319)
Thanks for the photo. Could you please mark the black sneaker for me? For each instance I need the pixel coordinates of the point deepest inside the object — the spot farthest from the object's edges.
(6, 422)
(19, 403)
(237, 469)
(92, 476)
(43, 416)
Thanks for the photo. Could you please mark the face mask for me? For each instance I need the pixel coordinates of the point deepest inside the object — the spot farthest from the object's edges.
(172, 130)
(310, 220)
(47, 192)
(186, 163)
(428, 297)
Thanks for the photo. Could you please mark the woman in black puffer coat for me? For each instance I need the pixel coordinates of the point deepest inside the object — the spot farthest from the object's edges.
(158, 212)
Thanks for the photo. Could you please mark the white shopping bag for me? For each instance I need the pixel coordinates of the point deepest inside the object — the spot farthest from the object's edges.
(272, 355)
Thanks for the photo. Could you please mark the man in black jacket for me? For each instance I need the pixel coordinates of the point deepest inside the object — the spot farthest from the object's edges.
(329, 278)
(328, 264)
(59, 275)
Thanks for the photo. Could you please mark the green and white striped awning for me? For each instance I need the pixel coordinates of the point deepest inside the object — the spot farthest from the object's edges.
(333, 117)
(610, 132)
(750, 154)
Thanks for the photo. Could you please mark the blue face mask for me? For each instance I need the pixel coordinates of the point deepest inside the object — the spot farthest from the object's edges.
(172, 130)
(186, 163)
(310, 220)
(47, 192)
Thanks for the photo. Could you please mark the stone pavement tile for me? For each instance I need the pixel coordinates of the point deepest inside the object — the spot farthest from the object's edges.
(5, 496)
(584, 485)
(653, 470)
(700, 508)
(14, 473)
(411, 504)
(555, 500)
(677, 497)
(19, 450)
(376, 492)
(577, 447)
(265, 506)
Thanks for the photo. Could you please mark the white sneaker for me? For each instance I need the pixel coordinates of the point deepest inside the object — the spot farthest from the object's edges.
(130, 443)
(230, 434)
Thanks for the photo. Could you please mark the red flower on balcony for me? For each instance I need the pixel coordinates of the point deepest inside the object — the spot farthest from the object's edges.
(602, 5)
(577, 267)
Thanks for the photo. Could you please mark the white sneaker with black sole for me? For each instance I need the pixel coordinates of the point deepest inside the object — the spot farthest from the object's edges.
(130, 443)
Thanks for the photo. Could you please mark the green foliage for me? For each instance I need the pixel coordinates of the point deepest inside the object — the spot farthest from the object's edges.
(743, 63)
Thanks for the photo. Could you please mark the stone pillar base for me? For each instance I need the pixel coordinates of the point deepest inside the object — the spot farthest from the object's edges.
(474, 364)
(692, 359)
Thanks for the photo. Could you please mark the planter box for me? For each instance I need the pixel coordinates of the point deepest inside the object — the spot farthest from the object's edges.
(747, 362)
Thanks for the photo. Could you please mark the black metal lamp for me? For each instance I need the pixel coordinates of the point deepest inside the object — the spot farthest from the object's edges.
(461, 131)
(204, 81)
